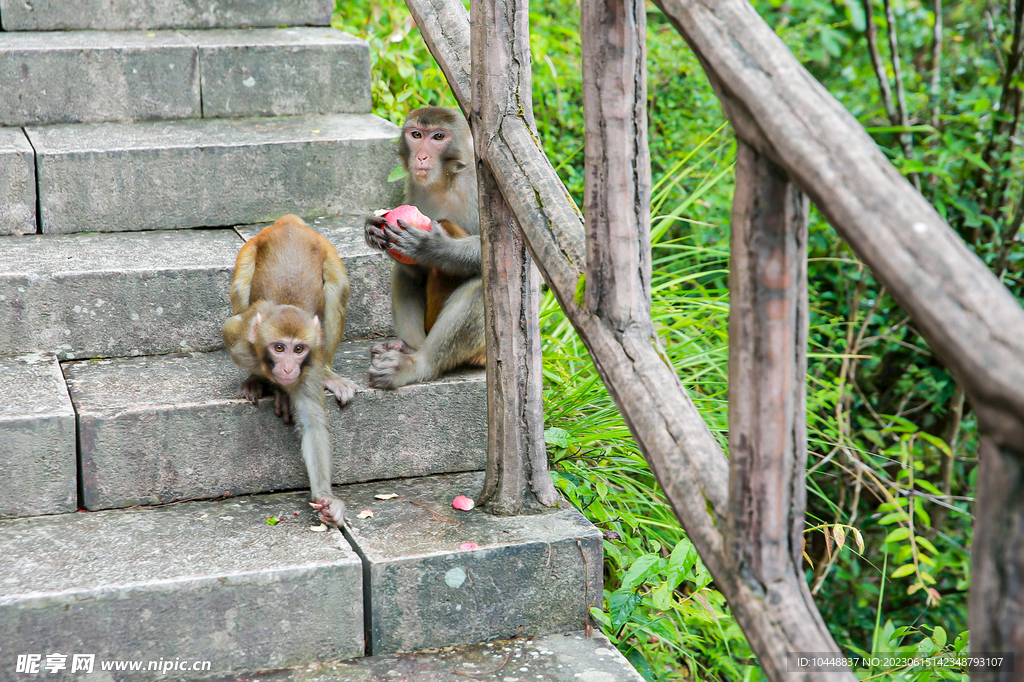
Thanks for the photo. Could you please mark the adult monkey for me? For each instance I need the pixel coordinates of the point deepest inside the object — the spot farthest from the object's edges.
(437, 304)
(287, 279)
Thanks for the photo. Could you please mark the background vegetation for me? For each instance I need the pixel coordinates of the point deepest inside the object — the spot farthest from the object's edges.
(892, 445)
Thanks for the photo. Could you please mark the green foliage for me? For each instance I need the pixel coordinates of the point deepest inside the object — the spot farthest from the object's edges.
(404, 75)
(892, 448)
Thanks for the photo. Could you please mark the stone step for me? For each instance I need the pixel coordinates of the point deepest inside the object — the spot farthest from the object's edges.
(532, 574)
(61, 15)
(144, 293)
(166, 428)
(282, 72)
(37, 438)
(572, 657)
(95, 76)
(17, 183)
(112, 177)
(207, 581)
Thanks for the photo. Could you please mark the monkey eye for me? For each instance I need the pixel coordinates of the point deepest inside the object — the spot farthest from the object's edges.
(299, 349)
(279, 347)
(439, 136)
(416, 134)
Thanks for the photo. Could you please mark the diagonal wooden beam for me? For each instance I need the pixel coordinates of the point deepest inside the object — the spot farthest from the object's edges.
(971, 321)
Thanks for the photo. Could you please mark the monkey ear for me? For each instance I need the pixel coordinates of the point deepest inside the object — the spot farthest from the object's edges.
(316, 328)
(256, 320)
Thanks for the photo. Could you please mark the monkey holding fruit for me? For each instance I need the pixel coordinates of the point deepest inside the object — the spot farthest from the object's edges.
(289, 294)
(436, 291)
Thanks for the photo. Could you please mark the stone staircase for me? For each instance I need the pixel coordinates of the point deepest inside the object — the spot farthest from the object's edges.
(141, 142)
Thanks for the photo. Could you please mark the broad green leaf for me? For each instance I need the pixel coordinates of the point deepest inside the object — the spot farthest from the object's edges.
(661, 597)
(898, 534)
(903, 571)
(892, 518)
(557, 436)
(638, 572)
(622, 604)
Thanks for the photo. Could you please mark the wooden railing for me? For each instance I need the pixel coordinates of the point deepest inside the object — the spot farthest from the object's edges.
(744, 513)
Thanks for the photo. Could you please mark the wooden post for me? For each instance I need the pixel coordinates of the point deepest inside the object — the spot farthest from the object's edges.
(517, 466)
(767, 409)
(617, 162)
(997, 560)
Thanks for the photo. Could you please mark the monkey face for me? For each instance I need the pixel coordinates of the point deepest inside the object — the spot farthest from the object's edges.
(286, 359)
(285, 342)
(427, 147)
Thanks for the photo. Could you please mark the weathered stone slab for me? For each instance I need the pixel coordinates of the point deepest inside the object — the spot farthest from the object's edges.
(283, 72)
(192, 173)
(103, 295)
(160, 429)
(141, 293)
(17, 183)
(573, 657)
(97, 76)
(192, 582)
(61, 15)
(38, 470)
(369, 274)
(532, 574)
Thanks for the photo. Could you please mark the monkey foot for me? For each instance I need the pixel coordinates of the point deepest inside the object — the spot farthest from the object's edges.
(253, 389)
(342, 389)
(331, 510)
(391, 369)
(283, 406)
(390, 345)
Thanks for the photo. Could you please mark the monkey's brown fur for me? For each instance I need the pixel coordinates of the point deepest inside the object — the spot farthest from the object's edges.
(437, 304)
(290, 289)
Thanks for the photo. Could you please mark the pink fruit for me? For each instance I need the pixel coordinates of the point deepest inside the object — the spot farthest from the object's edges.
(412, 216)
(462, 503)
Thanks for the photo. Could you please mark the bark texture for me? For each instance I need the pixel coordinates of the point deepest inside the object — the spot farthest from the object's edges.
(997, 560)
(767, 406)
(517, 464)
(617, 163)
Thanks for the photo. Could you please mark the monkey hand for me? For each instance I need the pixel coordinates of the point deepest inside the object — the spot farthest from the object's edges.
(376, 237)
(343, 390)
(417, 245)
(253, 389)
(330, 509)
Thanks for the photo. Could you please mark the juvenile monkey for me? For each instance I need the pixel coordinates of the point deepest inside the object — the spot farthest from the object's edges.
(437, 304)
(289, 294)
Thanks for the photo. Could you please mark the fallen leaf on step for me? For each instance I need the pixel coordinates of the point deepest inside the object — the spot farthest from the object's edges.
(386, 496)
(273, 520)
(318, 529)
(465, 546)
(365, 514)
